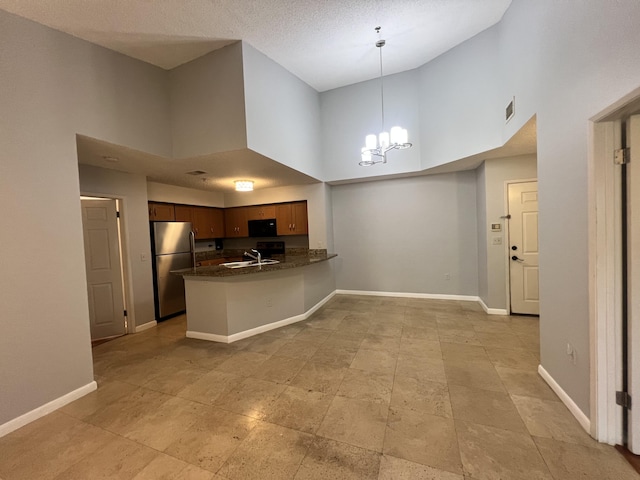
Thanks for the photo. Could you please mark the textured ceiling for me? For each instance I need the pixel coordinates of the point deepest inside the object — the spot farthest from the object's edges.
(328, 44)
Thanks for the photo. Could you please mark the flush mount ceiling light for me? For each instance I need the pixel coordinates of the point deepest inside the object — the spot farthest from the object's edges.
(244, 185)
(376, 148)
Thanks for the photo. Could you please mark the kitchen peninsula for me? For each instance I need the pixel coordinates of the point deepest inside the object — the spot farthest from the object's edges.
(229, 304)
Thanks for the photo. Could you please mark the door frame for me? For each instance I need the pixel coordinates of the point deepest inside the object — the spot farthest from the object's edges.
(507, 270)
(605, 269)
(125, 257)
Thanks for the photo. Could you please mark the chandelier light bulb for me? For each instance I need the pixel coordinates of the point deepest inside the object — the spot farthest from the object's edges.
(370, 142)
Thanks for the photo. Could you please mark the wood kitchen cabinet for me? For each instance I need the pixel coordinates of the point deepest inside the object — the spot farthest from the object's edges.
(161, 212)
(261, 212)
(184, 213)
(206, 222)
(235, 222)
(291, 218)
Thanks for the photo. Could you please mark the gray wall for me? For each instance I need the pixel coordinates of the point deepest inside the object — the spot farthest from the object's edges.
(350, 113)
(283, 114)
(559, 63)
(404, 235)
(462, 101)
(54, 86)
(207, 104)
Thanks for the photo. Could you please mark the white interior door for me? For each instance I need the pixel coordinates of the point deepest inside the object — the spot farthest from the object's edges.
(523, 247)
(633, 282)
(104, 273)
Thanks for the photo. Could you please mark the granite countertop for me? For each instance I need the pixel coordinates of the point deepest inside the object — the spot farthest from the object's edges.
(286, 262)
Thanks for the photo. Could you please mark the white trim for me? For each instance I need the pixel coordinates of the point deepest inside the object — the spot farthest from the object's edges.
(146, 326)
(47, 408)
(605, 289)
(434, 296)
(492, 311)
(583, 420)
(212, 337)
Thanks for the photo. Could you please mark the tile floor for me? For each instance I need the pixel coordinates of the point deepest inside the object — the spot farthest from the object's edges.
(368, 388)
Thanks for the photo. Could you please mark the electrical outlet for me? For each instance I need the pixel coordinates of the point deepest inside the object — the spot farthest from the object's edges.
(144, 257)
(497, 241)
(447, 276)
(269, 302)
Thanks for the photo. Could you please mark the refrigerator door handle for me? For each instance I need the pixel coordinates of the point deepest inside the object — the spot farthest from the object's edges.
(192, 241)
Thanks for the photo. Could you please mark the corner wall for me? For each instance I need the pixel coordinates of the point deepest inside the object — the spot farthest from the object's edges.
(53, 87)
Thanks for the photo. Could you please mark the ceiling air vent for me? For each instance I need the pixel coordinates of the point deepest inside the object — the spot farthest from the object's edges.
(195, 173)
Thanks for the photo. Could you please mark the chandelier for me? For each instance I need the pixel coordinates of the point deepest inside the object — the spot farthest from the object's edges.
(376, 148)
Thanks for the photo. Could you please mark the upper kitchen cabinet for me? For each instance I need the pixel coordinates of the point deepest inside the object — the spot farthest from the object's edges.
(206, 222)
(184, 213)
(161, 212)
(235, 222)
(261, 212)
(291, 218)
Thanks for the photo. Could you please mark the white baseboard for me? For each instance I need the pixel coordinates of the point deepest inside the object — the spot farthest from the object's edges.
(492, 311)
(146, 326)
(212, 337)
(566, 399)
(432, 296)
(47, 408)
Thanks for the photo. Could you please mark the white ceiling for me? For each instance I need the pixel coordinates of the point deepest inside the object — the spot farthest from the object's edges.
(328, 44)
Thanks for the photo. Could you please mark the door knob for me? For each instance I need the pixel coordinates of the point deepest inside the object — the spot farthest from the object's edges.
(514, 247)
(515, 258)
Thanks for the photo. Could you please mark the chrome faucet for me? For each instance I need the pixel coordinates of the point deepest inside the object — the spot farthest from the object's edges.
(257, 257)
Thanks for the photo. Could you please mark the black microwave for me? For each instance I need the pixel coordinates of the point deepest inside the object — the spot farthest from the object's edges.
(263, 228)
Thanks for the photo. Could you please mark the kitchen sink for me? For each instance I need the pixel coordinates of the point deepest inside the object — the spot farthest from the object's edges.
(251, 263)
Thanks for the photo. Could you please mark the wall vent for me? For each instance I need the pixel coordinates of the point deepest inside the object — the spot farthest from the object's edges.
(510, 110)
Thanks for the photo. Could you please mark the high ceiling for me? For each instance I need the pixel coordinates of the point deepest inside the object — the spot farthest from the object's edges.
(328, 43)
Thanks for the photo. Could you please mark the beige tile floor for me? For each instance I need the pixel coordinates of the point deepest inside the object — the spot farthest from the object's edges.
(368, 388)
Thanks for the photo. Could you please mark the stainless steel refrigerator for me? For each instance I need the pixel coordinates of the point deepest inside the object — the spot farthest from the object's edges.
(172, 249)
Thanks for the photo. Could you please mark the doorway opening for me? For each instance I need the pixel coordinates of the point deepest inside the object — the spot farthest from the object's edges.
(103, 245)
